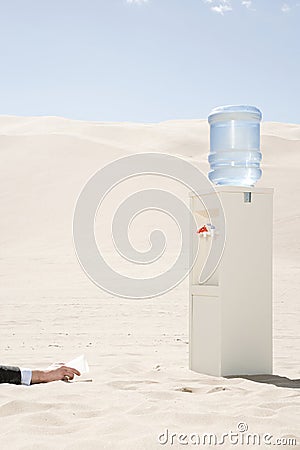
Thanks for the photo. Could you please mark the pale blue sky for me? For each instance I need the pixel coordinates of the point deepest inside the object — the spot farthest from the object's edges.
(148, 61)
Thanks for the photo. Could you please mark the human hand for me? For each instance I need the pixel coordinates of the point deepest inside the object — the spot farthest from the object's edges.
(61, 373)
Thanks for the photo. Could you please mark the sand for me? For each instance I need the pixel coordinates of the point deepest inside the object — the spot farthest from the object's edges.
(137, 349)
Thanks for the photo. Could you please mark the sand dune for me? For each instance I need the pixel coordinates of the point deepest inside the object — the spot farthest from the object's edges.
(137, 350)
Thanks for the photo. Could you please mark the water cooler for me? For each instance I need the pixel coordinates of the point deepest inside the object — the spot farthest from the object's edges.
(231, 312)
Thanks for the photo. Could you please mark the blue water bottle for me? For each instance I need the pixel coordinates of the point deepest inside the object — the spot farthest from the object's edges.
(235, 145)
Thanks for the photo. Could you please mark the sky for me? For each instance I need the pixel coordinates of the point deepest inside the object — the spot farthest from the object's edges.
(149, 60)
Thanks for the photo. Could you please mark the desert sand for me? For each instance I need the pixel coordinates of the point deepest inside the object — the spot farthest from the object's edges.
(137, 349)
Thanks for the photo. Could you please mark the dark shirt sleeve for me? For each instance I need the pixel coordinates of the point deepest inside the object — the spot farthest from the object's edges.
(10, 375)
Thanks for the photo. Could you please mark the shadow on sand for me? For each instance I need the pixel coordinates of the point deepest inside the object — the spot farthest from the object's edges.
(270, 379)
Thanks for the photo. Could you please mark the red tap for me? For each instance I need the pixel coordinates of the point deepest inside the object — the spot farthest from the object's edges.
(203, 230)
